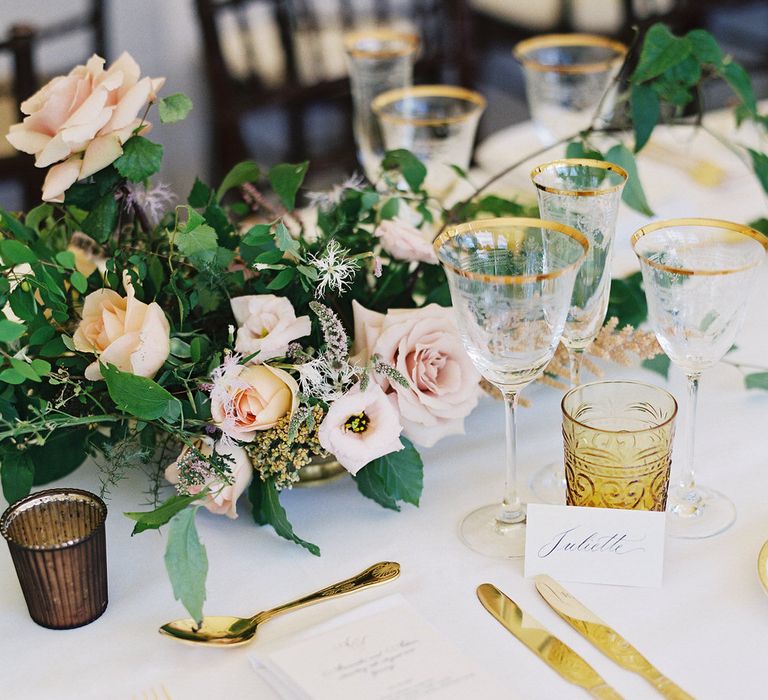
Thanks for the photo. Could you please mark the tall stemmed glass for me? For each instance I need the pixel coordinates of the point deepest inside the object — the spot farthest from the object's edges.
(511, 281)
(698, 274)
(585, 194)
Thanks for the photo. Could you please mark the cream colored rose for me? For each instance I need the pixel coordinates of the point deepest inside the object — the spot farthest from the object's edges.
(249, 398)
(267, 324)
(222, 497)
(425, 347)
(405, 242)
(123, 331)
(78, 122)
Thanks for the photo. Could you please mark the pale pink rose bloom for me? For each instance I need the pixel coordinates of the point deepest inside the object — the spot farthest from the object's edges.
(405, 242)
(267, 324)
(359, 427)
(123, 331)
(79, 122)
(425, 347)
(249, 398)
(222, 498)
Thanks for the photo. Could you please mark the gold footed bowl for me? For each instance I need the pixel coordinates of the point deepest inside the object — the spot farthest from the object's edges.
(320, 471)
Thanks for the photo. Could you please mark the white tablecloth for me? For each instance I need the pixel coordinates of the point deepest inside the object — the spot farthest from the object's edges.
(706, 627)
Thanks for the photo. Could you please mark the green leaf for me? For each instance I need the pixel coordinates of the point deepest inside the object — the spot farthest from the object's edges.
(102, 219)
(285, 241)
(644, 103)
(141, 159)
(397, 476)
(413, 170)
(282, 279)
(15, 253)
(25, 370)
(37, 215)
(197, 240)
(633, 193)
(760, 166)
(741, 84)
(439, 295)
(187, 563)
(10, 331)
(258, 235)
(577, 149)
(661, 50)
(18, 229)
(286, 179)
(498, 206)
(756, 380)
(200, 196)
(16, 474)
(11, 376)
(627, 300)
(79, 282)
(41, 367)
(155, 519)
(760, 225)
(705, 47)
(174, 108)
(267, 510)
(246, 171)
(66, 258)
(390, 208)
(140, 396)
(659, 364)
(63, 452)
(42, 335)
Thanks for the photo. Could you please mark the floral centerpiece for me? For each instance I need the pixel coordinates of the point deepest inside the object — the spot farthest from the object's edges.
(224, 344)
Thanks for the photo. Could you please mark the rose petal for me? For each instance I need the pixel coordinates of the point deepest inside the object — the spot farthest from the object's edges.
(101, 152)
(59, 178)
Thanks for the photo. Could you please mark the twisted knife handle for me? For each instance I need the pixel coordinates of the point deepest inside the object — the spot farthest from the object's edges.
(664, 685)
(604, 692)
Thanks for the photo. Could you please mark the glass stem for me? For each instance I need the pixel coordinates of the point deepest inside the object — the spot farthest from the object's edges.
(511, 508)
(687, 483)
(575, 358)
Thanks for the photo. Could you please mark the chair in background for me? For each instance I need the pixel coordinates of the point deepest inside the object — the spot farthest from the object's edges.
(276, 70)
(22, 45)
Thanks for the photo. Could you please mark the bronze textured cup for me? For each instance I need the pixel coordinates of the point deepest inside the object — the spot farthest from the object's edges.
(57, 543)
(618, 445)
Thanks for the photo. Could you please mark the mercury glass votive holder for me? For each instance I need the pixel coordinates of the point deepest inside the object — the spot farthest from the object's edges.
(58, 546)
(618, 445)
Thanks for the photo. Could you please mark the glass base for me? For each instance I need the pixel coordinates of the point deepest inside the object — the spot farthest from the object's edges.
(548, 484)
(698, 513)
(484, 533)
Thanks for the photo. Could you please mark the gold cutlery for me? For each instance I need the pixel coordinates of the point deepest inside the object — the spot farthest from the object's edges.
(605, 638)
(541, 642)
(233, 631)
(762, 566)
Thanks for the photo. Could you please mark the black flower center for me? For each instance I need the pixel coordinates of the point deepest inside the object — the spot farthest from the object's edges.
(358, 423)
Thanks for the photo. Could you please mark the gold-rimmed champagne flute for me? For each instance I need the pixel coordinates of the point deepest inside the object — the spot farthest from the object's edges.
(566, 78)
(511, 281)
(697, 275)
(585, 194)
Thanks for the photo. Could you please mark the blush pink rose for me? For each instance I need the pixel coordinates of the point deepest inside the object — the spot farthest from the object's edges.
(267, 324)
(359, 427)
(405, 242)
(79, 122)
(222, 497)
(123, 331)
(425, 347)
(249, 398)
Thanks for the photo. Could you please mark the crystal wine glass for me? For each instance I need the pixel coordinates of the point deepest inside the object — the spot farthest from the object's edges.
(566, 77)
(697, 275)
(585, 194)
(511, 281)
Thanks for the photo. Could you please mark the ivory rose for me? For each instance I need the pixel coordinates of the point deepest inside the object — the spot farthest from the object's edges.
(267, 324)
(425, 347)
(222, 497)
(406, 242)
(78, 122)
(123, 331)
(359, 427)
(248, 398)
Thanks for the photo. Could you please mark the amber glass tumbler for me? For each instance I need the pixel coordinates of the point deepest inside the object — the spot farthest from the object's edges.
(618, 445)
(58, 546)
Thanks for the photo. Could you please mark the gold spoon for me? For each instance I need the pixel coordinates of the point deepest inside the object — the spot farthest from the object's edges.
(233, 631)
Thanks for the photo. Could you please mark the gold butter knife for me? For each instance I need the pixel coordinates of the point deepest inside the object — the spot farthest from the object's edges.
(547, 647)
(605, 638)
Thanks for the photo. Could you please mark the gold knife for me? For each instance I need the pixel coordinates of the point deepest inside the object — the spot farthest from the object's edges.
(605, 638)
(548, 648)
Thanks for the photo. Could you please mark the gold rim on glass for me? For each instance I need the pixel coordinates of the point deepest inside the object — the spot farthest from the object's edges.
(711, 223)
(523, 48)
(391, 96)
(570, 162)
(352, 39)
(568, 415)
(513, 222)
(762, 566)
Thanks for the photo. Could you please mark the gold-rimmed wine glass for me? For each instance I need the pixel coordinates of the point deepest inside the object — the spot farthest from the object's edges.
(437, 123)
(566, 78)
(583, 193)
(697, 275)
(511, 281)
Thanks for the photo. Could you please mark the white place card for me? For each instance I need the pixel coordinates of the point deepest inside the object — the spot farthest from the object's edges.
(382, 651)
(595, 545)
